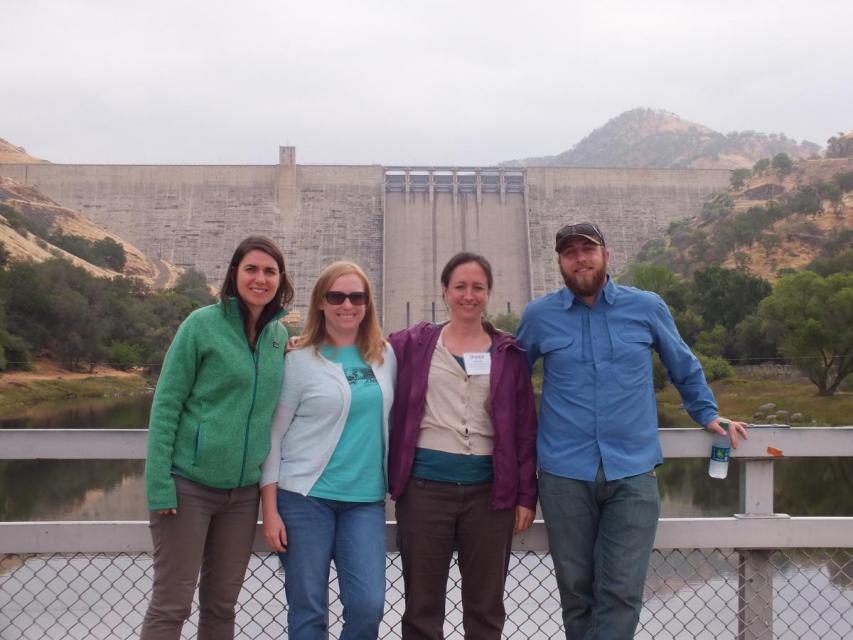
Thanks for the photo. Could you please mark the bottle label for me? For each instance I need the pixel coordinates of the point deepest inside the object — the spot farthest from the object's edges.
(720, 454)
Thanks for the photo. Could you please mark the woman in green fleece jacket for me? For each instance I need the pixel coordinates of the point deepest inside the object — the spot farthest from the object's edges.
(208, 434)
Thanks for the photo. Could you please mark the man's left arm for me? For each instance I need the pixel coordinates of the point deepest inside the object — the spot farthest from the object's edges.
(687, 375)
(526, 336)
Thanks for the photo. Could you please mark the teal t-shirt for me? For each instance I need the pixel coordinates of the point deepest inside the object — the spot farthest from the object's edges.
(356, 471)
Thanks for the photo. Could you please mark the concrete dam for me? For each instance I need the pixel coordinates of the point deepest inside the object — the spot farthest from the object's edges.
(400, 224)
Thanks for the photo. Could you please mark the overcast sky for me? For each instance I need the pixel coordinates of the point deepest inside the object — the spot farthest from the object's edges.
(444, 83)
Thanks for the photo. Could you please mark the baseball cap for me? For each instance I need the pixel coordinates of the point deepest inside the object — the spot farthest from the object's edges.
(586, 230)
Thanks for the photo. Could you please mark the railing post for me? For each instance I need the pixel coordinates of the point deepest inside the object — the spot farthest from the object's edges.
(755, 572)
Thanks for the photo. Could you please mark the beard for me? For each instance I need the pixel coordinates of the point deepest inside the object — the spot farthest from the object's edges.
(587, 285)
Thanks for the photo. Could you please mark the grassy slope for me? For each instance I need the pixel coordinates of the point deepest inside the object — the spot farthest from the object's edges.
(740, 399)
(15, 396)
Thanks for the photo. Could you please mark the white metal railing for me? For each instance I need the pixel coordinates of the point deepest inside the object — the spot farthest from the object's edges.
(754, 532)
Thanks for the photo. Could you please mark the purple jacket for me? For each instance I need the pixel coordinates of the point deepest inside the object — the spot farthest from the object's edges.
(513, 414)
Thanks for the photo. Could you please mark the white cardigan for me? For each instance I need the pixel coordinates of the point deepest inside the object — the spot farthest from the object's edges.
(311, 414)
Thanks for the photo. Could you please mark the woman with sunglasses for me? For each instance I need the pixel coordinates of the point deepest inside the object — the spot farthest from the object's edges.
(323, 484)
(462, 460)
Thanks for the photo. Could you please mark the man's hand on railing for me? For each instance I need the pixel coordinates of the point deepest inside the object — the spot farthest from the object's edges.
(735, 428)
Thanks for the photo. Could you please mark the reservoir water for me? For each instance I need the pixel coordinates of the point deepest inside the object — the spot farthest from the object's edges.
(689, 593)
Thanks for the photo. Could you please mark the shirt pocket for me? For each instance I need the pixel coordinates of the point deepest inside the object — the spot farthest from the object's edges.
(632, 358)
(562, 354)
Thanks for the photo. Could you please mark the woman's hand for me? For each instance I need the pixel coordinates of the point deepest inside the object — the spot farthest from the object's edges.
(275, 532)
(523, 519)
(167, 512)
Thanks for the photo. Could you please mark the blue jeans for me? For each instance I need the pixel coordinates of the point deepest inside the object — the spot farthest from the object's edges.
(601, 535)
(353, 535)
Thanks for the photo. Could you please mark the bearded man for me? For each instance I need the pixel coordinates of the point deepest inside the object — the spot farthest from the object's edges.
(597, 445)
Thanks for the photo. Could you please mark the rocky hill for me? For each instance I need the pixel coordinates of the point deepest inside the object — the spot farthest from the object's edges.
(780, 215)
(34, 227)
(653, 138)
(11, 154)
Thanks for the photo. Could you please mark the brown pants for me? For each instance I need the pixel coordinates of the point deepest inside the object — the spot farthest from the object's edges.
(212, 532)
(433, 518)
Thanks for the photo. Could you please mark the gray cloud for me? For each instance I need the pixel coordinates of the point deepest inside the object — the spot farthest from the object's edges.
(406, 83)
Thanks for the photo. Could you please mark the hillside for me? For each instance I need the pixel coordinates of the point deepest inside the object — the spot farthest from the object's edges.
(11, 154)
(40, 210)
(777, 218)
(653, 138)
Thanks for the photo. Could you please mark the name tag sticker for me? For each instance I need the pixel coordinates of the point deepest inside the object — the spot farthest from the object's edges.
(477, 364)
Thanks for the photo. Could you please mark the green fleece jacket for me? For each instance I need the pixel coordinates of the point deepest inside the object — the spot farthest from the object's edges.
(210, 420)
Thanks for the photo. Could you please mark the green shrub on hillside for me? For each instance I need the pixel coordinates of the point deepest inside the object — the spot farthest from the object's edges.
(782, 162)
(844, 181)
(761, 165)
(738, 178)
(715, 368)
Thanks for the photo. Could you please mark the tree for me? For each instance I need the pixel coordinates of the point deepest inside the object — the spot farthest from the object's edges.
(726, 296)
(193, 285)
(760, 166)
(711, 342)
(827, 265)
(4, 257)
(782, 162)
(844, 181)
(738, 177)
(752, 344)
(109, 253)
(689, 324)
(811, 319)
(840, 146)
(657, 278)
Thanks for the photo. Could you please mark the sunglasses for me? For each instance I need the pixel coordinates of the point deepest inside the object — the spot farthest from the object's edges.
(357, 298)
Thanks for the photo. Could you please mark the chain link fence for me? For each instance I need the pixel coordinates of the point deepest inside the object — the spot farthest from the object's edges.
(695, 593)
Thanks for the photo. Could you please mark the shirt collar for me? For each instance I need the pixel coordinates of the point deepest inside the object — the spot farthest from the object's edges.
(609, 293)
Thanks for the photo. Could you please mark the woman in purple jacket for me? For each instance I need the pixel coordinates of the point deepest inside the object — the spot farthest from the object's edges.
(462, 456)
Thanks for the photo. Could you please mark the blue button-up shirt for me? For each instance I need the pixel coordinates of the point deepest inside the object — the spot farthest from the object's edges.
(598, 401)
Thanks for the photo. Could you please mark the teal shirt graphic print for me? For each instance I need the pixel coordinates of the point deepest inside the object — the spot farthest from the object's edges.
(355, 472)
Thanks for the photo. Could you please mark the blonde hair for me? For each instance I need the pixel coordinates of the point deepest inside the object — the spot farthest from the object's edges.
(370, 341)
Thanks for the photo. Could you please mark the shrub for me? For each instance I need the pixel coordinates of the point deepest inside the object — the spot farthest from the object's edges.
(124, 356)
(14, 353)
(844, 181)
(760, 166)
(715, 368)
(782, 162)
(738, 178)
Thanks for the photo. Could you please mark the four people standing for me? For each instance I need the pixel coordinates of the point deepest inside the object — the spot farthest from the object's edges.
(462, 458)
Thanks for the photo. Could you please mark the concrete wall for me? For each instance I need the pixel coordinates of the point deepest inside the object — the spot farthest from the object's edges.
(632, 206)
(339, 217)
(422, 232)
(194, 216)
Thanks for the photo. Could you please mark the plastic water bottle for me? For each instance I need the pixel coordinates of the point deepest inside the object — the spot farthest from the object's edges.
(718, 467)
